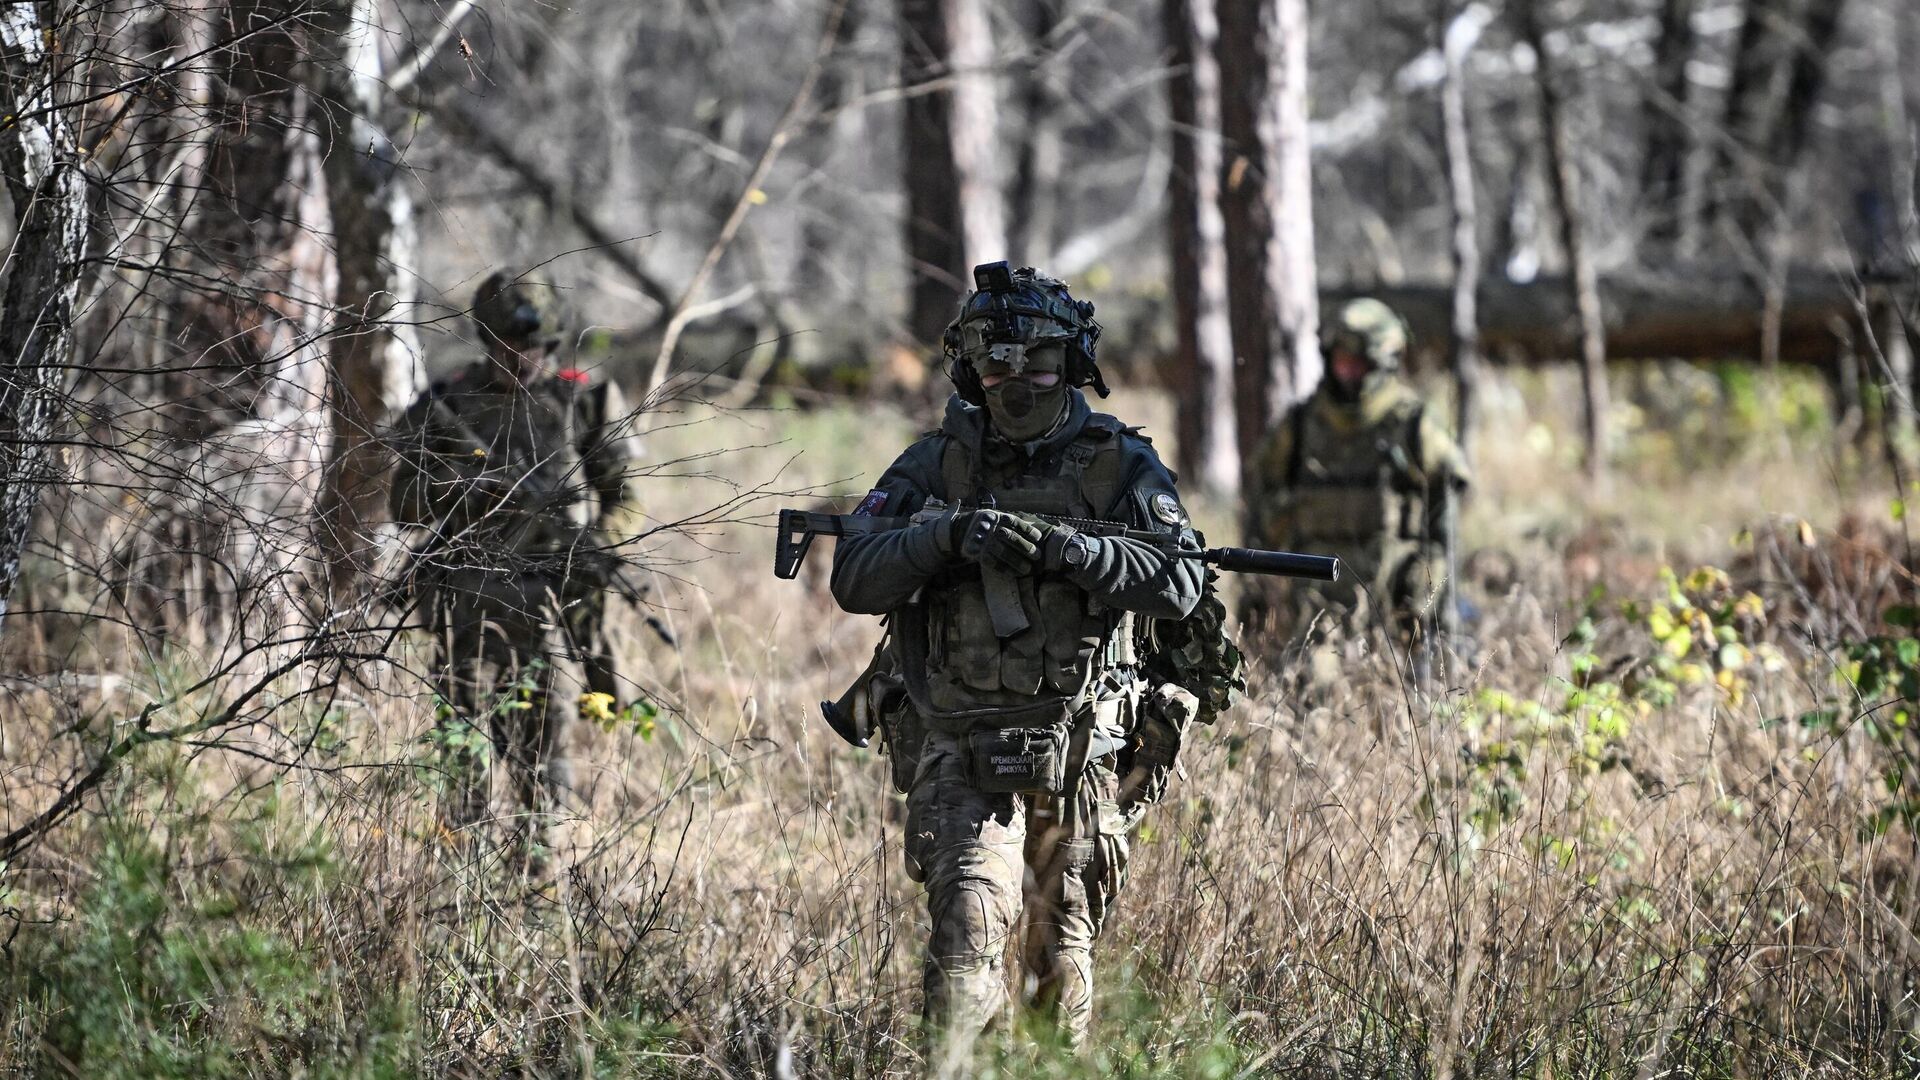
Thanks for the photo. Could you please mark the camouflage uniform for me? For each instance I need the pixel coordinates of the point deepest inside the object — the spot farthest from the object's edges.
(1038, 635)
(1370, 476)
(507, 465)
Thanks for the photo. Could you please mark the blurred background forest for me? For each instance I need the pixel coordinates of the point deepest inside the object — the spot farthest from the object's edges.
(1660, 260)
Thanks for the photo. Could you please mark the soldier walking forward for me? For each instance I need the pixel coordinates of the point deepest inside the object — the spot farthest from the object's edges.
(510, 473)
(1362, 470)
(1021, 745)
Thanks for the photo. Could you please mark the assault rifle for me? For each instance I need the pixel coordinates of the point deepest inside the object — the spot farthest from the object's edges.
(799, 527)
(855, 715)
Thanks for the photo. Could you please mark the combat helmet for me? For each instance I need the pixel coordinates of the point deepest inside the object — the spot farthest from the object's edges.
(1366, 327)
(518, 312)
(1011, 311)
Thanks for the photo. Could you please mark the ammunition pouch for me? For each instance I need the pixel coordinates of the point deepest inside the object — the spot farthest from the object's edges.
(1147, 762)
(1027, 761)
(905, 734)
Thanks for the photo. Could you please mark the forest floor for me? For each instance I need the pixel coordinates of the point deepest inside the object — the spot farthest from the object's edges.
(1657, 821)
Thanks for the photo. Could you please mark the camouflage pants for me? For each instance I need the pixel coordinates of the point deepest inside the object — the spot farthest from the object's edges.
(983, 857)
(510, 678)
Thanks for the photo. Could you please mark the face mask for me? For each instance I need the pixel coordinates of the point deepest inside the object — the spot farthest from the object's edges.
(1021, 408)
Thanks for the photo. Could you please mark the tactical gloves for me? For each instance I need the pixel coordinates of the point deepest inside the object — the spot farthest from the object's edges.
(1020, 544)
(1010, 543)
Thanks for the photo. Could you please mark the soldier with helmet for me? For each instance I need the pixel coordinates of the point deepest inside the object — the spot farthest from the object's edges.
(1362, 469)
(1018, 733)
(511, 474)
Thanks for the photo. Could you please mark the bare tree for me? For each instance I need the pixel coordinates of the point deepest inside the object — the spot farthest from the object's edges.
(1202, 375)
(1669, 134)
(954, 213)
(1266, 202)
(1040, 154)
(1779, 72)
(1458, 37)
(375, 357)
(1563, 171)
(43, 167)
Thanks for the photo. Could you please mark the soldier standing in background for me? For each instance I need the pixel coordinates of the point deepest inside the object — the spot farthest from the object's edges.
(1027, 736)
(512, 473)
(1361, 470)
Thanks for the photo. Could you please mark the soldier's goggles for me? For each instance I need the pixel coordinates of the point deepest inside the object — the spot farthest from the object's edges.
(1039, 380)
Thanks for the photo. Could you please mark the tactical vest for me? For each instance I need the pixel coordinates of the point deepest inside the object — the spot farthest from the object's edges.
(531, 445)
(1354, 489)
(1049, 669)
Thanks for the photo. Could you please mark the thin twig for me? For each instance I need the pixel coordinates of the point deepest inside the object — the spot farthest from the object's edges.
(782, 134)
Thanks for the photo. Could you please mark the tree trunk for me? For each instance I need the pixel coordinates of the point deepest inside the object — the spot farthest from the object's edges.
(1894, 349)
(1564, 174)
(375, 357)
(1806, 79)
(936, 257)
(1033, 229)
(1697, 312)
(1266, 203)
(1779, 71)
(42, 167)
(256, 337)
(1759, 57)
(1202, 376)
(1460, 34)
(1663, 173)
(976, 132)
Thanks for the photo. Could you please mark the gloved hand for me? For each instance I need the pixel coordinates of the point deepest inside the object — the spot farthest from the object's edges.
(1054, 543)
(1006, 542)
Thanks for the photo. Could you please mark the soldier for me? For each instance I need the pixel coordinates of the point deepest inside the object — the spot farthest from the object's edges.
(1019, 743)
(515, 472)
(1362, 470)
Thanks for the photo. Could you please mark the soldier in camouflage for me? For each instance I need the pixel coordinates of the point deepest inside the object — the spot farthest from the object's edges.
(1029, 735)
(1362, 470)
(513, 473)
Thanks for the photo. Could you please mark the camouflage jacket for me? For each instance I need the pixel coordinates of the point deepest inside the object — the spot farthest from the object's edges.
(1076, 622)
(1354, 473)
(519, 467)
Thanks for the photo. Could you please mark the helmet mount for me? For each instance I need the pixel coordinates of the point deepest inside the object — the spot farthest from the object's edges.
(1010, 312)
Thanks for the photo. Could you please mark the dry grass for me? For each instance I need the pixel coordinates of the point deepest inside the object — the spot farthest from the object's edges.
(1501, 880)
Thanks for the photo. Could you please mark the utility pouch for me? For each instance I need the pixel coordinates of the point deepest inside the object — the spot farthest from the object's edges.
(1028, 761)
(1154, 748)
(905, 733)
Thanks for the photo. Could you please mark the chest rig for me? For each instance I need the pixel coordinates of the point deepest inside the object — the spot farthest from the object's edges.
(1355, 487)
(529, 445)
(1068, 639)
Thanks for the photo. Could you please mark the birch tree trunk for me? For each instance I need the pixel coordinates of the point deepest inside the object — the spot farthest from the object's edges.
(1462, 32)
(1564, 174)
(42, 166)
(1266, 203)
(1202, 379)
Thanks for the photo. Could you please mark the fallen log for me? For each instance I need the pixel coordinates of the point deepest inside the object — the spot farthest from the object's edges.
(1692, 316)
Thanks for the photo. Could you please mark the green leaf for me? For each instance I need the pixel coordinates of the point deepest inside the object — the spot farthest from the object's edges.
(1909, 651)
(1902, 615)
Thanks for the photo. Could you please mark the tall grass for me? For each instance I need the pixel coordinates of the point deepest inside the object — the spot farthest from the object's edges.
(1592, 852)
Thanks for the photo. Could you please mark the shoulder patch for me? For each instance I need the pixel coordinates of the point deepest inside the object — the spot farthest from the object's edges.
(1167, 508)
(573, 375)
(875, 502)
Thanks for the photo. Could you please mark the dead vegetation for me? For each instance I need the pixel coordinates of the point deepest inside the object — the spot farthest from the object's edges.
(1604, 850)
